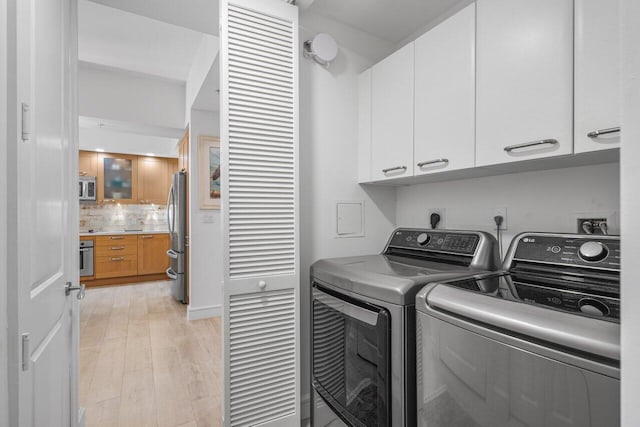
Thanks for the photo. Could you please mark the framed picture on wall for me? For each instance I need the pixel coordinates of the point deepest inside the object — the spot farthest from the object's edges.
(209, 171)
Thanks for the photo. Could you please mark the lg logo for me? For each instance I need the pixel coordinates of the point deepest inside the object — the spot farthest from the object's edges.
(529, 240)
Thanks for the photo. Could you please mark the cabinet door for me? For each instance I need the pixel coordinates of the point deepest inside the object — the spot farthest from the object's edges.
(88, 163)
(445, 95)
(524, 81)
(153, 180)
(117, 178)
(597, 75)
(152, 253)
(392, 116)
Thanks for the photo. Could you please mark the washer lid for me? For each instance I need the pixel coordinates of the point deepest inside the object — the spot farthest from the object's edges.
(492, 305)
(387, 278)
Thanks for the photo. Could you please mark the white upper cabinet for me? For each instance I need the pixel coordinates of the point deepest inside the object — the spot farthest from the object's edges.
(597, 75)
(524, 68)
(392, 116)
(445, 95)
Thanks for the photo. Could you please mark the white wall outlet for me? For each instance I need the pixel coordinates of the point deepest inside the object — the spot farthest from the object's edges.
(439, 211)
(503, 213)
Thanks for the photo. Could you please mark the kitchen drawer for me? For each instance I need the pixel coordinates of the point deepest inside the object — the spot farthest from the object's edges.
(112, 240)
(116, 266)
(117, 248)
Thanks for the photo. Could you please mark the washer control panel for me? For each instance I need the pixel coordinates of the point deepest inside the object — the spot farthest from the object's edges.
(587, 251)
(434, 240)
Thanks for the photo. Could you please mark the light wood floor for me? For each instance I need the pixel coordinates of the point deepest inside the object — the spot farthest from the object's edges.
(143, 364)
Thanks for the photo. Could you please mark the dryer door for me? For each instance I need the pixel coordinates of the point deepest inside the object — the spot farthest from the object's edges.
(351, 357)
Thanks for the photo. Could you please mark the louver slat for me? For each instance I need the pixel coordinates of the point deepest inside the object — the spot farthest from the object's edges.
(262, 352)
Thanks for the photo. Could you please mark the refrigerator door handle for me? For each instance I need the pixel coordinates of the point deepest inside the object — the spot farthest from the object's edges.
(171, 214)
(172, 254)
(171, 274)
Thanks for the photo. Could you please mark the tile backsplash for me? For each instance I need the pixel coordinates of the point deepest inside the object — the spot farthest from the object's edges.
(118, 217)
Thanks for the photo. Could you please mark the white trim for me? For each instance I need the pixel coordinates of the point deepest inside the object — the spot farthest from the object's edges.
(197, 313)
(4, 380)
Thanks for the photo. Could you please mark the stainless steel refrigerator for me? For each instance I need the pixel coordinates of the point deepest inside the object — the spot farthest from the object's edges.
(177, 223)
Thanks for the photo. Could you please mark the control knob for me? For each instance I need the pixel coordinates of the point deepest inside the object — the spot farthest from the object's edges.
(593, 307)
(423, 239)
(593, 251)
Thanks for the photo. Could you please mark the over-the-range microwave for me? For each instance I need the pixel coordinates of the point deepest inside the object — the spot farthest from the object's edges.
(88, 188)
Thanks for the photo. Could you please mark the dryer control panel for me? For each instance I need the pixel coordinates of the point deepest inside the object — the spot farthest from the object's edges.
(435, 241)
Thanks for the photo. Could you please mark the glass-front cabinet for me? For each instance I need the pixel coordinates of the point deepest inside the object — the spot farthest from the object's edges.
(117, 178)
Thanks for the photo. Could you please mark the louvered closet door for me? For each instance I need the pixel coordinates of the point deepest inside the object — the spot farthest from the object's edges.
(259, 60)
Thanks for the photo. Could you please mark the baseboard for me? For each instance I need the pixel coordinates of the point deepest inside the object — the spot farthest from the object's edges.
(197, 313)
(305, 407)
(82, 417)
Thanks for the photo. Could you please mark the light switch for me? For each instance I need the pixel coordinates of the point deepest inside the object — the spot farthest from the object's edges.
(350, 219)
(208, 219)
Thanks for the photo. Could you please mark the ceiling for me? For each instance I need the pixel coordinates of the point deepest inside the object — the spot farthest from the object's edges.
(197, 15)
(119, 39)
(390, 20)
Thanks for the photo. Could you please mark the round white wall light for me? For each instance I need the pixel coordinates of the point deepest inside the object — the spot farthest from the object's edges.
(322, 49)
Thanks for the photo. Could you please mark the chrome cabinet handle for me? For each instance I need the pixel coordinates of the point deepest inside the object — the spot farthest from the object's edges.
(597, 133)
(432, 162)
(116, 238)
(117, 259)
(396, 168)
(146, 237)
(510, 148)
(81, 289)
(117, 248)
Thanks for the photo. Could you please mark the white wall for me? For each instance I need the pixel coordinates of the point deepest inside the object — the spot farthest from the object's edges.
(4, 412)
(127, 143)
(130, 97)
(535, 201)
(328, 173)
(630, 213)
(201, 67)
(205, 232)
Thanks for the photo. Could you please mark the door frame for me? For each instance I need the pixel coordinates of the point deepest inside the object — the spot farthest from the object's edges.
(9, 384)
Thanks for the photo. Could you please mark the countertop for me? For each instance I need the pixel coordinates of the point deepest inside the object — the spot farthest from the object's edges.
(114, 233)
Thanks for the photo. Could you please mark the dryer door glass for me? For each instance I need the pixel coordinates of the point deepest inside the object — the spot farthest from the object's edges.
(351, 357)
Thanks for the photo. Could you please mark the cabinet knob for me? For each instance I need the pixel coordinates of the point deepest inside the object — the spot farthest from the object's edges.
(262, 284)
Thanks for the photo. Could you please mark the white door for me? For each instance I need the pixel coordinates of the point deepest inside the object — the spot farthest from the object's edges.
(598, 61)
(392, 116)
(259, 144)
(46, 235)
(524, 80)
(445, 97)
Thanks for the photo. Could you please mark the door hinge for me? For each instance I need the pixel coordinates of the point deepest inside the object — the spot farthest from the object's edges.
(26, 121)
(25, 352)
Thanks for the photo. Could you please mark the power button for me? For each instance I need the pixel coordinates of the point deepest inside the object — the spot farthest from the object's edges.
(556, 249)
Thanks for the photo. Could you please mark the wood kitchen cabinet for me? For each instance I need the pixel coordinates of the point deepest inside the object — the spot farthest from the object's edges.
(392, 116)
(524, 78)
(88, 163)
(117, 178)
(152, 253)
(153, 180)
(597, 75)
(116, 256)
(445, 96)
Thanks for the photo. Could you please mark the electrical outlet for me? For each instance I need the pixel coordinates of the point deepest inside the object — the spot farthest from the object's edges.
(592, 225)
(503, 213)
(439, 211)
